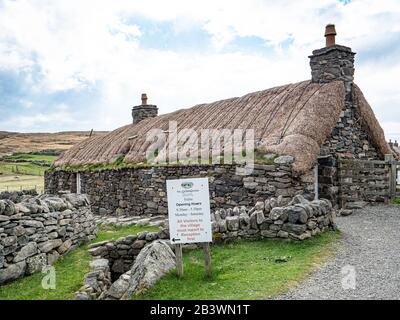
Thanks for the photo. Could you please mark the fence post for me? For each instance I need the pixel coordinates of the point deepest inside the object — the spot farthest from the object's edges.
(389, 158)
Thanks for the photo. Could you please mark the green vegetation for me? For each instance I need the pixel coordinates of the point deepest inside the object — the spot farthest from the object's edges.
(30, 157)
(246, 270)
(241, 270)
(24, 171)
(70, 271)
(396, 200)
(259, 157)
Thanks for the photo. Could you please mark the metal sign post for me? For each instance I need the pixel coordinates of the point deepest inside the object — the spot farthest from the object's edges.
(189, 217)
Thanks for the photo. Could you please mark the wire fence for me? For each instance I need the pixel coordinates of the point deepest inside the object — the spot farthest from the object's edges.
(39, 188)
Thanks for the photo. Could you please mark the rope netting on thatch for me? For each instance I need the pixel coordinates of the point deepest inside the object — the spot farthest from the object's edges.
(294, 119)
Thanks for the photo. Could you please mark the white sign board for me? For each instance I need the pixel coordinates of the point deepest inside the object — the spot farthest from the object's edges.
(189, 210)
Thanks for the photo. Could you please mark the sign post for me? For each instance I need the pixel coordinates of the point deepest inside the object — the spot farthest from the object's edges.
(189, 217)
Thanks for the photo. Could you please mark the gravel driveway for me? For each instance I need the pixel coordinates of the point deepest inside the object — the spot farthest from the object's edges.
(371, 248)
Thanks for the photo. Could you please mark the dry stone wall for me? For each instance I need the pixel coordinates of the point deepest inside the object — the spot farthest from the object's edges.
(299, 219)
(140, 190)
(36, 231)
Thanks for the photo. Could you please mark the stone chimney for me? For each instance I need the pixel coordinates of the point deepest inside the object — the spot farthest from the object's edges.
(334, 62)
(144, 110)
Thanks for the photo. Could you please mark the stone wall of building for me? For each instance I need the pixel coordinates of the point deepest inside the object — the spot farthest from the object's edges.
(36, 231)
(142, 190)
(300, 219)
(348, 139)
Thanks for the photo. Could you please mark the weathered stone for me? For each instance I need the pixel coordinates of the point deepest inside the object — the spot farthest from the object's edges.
(52, 257)
(294, 228)
(27, 251)
(4, 218)
(19, 231)
(36, 263)
(268, 233)
(284, 160)
(99, 264)
(153, 262)
(260, 216)
(12, 272)
(232, 223)
(302, 213)
(222, 226)
(118, 266)
(8, 241)
(277, 214)
(32, 223)
(259, 206)
(139, 244)
(282, 234)
(65, 246)
(346, 212)
(244, 222)
(118, 289)
(49, 245)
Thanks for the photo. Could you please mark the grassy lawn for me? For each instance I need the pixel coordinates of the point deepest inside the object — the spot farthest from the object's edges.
(396, 200)
(246, 270)
(241, 270)
(70, 271)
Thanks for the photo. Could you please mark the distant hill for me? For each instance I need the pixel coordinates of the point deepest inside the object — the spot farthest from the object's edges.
(14, 142)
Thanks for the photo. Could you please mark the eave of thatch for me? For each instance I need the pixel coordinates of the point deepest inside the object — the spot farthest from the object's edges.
(294, 119)
(371, 124)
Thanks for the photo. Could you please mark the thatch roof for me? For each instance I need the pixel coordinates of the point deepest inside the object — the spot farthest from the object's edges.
(294, 119)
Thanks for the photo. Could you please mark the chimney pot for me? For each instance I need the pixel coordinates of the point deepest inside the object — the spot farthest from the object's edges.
(330, 34)
(144, 99)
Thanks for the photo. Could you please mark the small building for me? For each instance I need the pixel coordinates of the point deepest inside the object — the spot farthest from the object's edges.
(306, 136)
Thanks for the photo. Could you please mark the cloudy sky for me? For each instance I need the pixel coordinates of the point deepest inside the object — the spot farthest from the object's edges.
(82, 64)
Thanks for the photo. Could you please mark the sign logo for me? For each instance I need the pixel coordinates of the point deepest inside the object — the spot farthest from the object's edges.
(187, 185)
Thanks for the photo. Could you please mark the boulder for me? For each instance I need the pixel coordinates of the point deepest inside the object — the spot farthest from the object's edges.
(152, 263)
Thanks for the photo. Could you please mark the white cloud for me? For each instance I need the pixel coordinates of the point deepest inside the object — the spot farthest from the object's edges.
(80, 43)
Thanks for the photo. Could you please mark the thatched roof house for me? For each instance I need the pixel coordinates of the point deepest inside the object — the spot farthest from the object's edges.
(294, 119)
(316, 122)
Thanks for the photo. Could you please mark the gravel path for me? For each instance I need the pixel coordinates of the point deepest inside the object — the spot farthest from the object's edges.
(370, 245)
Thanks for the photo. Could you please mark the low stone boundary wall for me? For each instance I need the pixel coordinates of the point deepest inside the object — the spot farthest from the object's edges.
(36, 231)
(137, 191)
(299, 219)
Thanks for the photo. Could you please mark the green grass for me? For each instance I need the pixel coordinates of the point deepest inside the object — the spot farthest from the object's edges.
(30, 157)
(245, 270)
(21, 168)
(16, 175)
(396, 200)
(70, 271)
